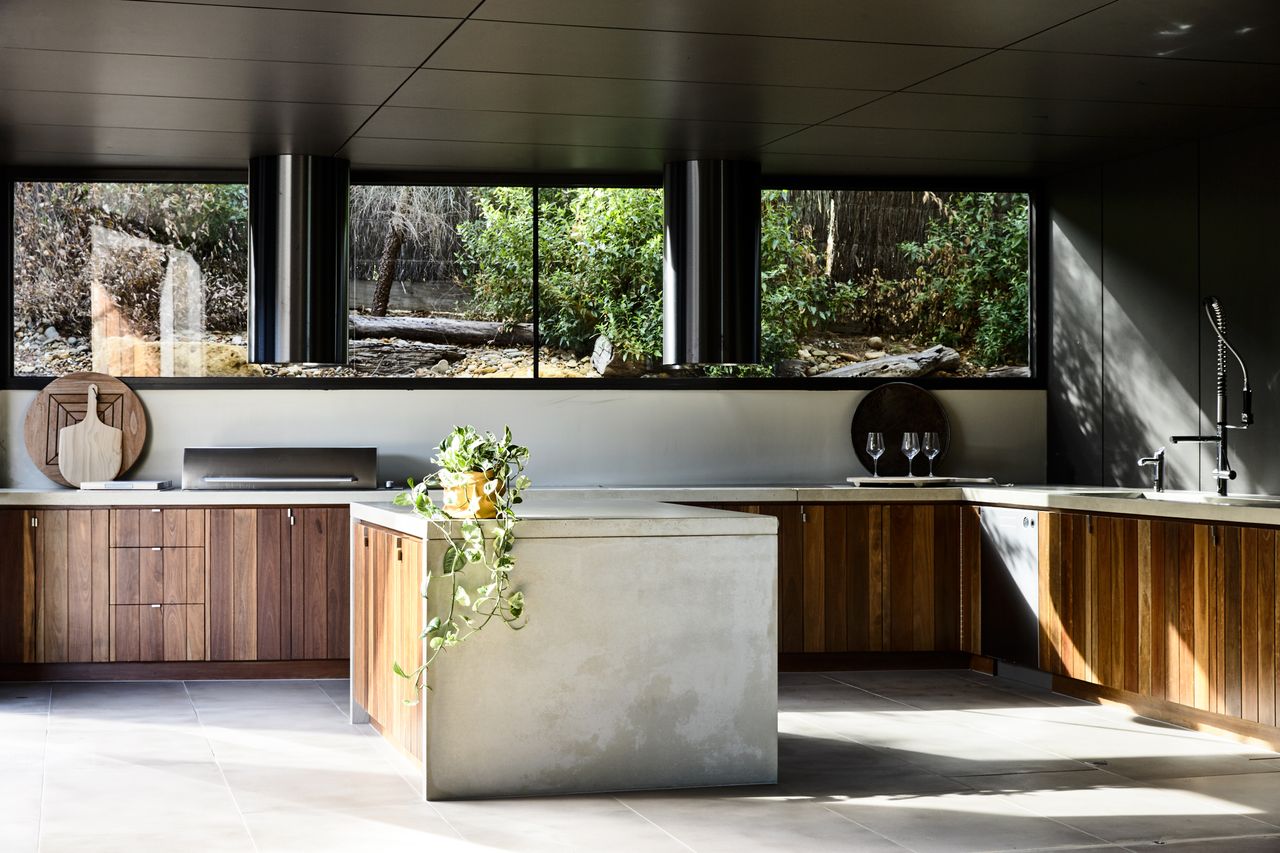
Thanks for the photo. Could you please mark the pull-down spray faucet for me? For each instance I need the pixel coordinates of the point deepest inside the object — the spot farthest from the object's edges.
(1222, 471)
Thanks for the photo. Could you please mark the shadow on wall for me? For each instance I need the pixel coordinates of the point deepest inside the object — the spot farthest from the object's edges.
(1075, 388)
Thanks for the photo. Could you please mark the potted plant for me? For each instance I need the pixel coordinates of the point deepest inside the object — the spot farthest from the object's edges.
(483, 478)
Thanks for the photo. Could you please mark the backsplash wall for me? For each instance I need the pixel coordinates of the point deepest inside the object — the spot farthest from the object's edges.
(577, 437)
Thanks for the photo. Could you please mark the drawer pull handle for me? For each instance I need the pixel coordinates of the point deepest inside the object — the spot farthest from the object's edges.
(155, 605)
(155, 549)
(155, 510)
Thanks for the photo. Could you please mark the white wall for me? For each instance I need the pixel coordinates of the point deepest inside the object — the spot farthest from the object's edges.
(577, 437)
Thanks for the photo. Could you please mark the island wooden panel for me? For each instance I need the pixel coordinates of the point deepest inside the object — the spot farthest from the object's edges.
(388, 623)
(158, 632)
(856, 577)
(1178, 612)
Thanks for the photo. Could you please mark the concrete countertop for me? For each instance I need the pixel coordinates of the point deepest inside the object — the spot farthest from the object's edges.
(1065, 498)
(558, 517)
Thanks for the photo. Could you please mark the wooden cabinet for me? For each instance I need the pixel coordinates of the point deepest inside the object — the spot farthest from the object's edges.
(157, 597)
(278, 583)
(388, 614)
(855, 577)
(55, 586)
(1175, 611)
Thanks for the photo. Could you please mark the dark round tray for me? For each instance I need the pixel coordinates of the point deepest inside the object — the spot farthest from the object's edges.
(893, 409)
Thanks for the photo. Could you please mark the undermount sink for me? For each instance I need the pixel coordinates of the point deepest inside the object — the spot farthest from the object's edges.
(1207, 498)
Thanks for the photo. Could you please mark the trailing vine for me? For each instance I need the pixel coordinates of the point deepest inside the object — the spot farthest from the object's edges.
(471, 541)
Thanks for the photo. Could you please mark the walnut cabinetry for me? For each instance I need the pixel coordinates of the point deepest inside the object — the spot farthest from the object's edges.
(278, 583)
(388, 613)
(1179, 614)
(171, 584)
(859, 577)
(158, 584)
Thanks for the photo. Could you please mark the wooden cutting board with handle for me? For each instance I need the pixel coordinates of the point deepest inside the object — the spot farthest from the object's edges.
(90, 450)
(62, 403)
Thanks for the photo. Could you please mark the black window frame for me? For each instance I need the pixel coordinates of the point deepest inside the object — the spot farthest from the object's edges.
(1038, 322)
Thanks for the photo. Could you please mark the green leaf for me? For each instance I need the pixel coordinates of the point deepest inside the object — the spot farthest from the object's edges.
(396, 668)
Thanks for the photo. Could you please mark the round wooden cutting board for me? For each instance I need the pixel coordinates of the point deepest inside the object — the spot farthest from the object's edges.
(63, 402)
(895, 408)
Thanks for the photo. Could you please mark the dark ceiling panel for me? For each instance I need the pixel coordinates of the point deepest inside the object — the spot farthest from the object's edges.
(159, 143)
(1237, 31)
(43, 70)
(1113, 78)
(262, 117)
(422, 8)
(973, 23)
(426, 155)
(822, 165)
(1043, 115)
(943, 144)
(223, 32)
(544, 93)
(95, 160)
(548, 129)
(638, 54)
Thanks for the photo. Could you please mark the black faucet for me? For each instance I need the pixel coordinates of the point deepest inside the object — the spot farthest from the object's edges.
(1155, 460)
(1222, 470)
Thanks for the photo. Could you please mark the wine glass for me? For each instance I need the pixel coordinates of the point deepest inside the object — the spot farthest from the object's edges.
(875, 449)
(910, 449)
(932, 447)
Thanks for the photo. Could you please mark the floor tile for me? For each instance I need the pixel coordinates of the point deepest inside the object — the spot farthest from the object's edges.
(954, 823)
(415, 826)
(1256, 794)
(558, 823)
(727, 821)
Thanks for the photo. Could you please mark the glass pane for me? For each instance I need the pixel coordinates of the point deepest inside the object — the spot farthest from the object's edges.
(600, 282)
(851, 277)
(130, 279)
(441, 281)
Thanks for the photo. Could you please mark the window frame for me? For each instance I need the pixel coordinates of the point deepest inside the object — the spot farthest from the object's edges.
(1038, 313)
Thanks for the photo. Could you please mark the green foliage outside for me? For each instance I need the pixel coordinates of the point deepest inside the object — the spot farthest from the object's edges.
(601, 270)
(973, 264)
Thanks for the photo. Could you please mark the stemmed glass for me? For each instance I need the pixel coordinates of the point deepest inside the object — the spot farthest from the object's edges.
(932, 447)
(910, 448)
(875, 449)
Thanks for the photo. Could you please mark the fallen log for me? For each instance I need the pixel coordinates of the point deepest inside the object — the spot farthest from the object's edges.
(442, 330)
(934, 359)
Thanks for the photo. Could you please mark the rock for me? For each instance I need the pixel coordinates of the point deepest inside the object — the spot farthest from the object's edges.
(441, 366)
(804, 353)
(872, 354)
(607, 362)
(875, 342)
(790, 367)
(832, 359)
(71, 341)
(818, 353)
(51, 334)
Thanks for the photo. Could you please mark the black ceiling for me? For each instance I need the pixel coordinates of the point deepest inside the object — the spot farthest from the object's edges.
(850, 87)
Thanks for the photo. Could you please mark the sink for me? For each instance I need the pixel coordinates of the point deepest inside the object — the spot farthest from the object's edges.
(1103, 493)
(1205, 498)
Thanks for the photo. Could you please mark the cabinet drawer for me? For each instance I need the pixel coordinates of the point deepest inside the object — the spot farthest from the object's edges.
(157, 575)
(151, 527)
(157, 632)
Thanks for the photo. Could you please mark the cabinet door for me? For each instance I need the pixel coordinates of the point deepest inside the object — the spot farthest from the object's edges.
(72, 580)
(158, 632)
(321, 582)
(17, 587)
(278, 583)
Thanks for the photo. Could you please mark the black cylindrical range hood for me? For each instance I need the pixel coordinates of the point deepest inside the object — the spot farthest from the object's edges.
(298, 259)
(711, 263)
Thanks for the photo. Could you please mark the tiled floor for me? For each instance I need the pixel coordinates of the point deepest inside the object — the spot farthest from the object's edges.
(879, 761)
